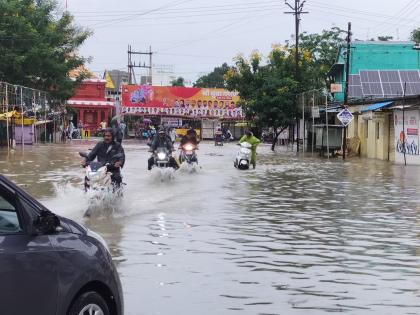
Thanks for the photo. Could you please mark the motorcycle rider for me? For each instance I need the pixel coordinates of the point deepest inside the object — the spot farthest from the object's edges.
(190, 137)
(162, 140)
(254, 141)
(104, 151)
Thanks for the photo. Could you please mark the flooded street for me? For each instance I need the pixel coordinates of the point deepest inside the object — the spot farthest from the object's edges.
(295, 236)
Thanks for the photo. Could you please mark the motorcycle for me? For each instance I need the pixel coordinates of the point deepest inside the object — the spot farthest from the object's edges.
(97, 174)
(161, 158)
(188, 154)
(98, 180)
(243, 157)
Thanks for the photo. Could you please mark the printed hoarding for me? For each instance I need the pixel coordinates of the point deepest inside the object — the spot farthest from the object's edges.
(407, 136)
(180, 101)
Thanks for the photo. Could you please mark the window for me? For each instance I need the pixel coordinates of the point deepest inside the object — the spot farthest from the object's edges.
(9, 221)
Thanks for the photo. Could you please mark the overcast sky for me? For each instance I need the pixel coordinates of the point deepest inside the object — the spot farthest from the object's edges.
(194, 36)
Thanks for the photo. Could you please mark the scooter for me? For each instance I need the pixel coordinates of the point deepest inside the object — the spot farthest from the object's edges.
(243, 157)
(188, 154)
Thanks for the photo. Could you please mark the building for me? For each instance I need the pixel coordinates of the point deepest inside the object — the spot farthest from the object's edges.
(384, 86)
(373, 56)
(114, 79)
(90, 105)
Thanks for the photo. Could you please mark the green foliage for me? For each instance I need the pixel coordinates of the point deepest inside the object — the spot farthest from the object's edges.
(415, 35)
(38, 49)
(267, 91)
(323, 49)
(180, 81)
(268, 87)
(215, 79)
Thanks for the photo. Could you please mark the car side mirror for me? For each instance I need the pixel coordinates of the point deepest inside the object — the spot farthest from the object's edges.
(46, 223)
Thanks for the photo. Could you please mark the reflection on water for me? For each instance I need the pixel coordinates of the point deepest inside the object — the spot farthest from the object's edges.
(296, 236)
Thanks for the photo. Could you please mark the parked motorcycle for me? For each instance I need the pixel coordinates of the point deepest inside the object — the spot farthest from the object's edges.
(188, 154)
(243, 157)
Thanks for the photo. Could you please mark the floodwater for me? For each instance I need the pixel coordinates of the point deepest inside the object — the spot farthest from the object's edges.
(295, 236)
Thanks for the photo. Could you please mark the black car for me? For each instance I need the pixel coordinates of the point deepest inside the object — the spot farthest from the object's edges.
(50, 265)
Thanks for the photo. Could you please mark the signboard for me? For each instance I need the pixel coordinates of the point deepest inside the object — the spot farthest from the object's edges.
(171, 122)
(346, 117)
(336, 88)
(406, 135)
(180, 101)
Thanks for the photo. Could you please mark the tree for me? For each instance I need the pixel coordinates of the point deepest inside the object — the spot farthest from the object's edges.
(415, 35)
(37, 49)
(323, 49)
(215, 79)
(180, 81)
(267, 91)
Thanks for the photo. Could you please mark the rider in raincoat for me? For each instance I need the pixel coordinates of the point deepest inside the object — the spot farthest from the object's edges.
(254, 141)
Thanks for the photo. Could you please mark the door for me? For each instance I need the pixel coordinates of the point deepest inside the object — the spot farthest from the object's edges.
(28, 269)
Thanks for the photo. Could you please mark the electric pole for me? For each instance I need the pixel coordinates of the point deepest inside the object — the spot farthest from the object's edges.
(346, 90)
(297, 10)
(132, 64)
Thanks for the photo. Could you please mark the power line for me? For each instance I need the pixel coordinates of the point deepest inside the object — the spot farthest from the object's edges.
(183, 9)
(133, 16)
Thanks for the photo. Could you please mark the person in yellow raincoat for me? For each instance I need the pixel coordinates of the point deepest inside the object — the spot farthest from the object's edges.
(254, 141)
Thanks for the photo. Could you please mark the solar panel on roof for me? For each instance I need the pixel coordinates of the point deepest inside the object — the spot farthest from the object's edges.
(355, 91)
(389, 76)
(413, 88)
(354, 79)
(355, 87)
(410, 76)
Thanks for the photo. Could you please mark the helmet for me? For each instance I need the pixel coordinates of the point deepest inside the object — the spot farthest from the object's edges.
(191, 131)
(249, 133)
(161, 131)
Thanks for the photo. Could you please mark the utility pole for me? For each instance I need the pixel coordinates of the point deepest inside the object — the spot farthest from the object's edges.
(132, 64)
(297, 10)
(346, 90)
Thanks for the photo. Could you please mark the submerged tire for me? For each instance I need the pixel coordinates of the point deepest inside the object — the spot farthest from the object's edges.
(89, 303)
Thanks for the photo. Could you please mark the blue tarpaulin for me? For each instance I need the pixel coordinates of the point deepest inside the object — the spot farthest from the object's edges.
(376, 106)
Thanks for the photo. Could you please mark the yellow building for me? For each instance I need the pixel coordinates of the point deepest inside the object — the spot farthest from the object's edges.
(382, 132)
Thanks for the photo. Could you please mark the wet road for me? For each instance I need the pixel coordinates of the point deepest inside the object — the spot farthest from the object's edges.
(296, 236)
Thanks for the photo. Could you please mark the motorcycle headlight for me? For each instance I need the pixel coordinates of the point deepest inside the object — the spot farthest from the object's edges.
(161, 156)
(188, 147)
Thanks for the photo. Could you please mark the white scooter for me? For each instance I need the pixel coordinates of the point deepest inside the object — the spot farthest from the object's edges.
(243, 157)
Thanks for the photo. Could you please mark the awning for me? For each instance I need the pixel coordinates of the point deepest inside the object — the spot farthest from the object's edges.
(376, 106)
(331, 109)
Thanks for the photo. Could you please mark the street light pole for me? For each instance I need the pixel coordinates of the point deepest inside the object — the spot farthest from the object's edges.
(297, 10)
(346, 90)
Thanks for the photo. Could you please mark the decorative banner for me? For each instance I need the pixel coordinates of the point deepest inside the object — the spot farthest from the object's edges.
(406, 139)
(180, 101)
